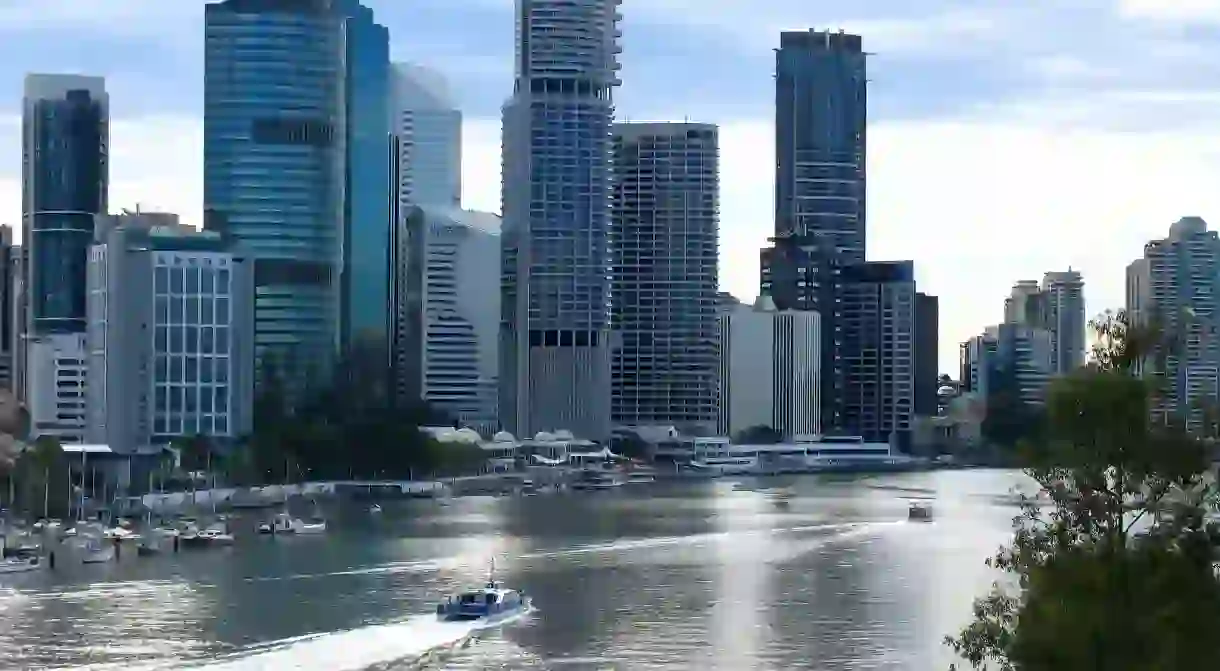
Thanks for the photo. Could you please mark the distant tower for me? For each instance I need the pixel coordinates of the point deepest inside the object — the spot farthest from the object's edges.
(429, 126)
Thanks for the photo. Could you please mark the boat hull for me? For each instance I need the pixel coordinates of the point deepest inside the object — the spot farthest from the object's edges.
(494, 618)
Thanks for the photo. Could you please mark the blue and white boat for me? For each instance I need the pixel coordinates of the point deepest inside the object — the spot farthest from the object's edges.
(489, 605)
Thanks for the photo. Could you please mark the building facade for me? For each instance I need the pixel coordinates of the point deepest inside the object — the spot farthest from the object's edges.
(878, 350)
(664, 240)
(927, 365)
(449, 323)
(8, 263)
(296, 165)
(56, 385)
(821, 113)
(64, 183)
(428, 122)
(1175, 287)
(171, 320)
(555, 338)
(1057, 305)
(769, 366)
(1015, 361)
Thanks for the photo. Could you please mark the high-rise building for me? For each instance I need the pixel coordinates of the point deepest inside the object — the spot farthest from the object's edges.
(7, 315)
(65, 182)
(1175, 287)
(664, 237)
(556, 339)
(16, 316)
(821, 113)
(428, 122)
(449, 320)
(170, 323)
(1008, 363)
(927, 337)
(1066, 318)
(1057, 305)
(878, 351)
(803, 273)
(297, 166)
(769, 366)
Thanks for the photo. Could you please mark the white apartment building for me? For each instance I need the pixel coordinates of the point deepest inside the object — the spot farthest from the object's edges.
(449, 320)
(428, 123)
(770, 369)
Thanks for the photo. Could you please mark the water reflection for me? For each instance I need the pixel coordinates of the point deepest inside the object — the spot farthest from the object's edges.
(689, 575)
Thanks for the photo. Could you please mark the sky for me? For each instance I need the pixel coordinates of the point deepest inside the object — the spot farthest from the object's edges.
(1006, 138)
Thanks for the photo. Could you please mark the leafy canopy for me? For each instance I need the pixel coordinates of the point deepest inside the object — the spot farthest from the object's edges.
(1112, 566)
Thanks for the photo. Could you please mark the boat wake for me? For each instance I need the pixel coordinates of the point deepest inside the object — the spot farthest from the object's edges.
(413, 643)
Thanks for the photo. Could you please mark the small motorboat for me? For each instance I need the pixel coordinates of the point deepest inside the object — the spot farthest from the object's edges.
(95, 551)
(214, 536)
(781, 498)
(919, 512)
(19, 565)
(489, 605)
(282, 523)
(316, 525)
(375, 508)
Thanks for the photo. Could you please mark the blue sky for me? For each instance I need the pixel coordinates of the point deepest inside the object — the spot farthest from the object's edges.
(1006, 138)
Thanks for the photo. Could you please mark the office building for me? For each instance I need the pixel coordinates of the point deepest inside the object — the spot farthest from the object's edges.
(821, 113)
(802, 273)
(556, 339)
(428, 123)
(927, 371)
(7, 313)
(664, 240)
(449, 321)
(769, 366)
(65, 130)
(1175, 288)
(170, 323)
(16, 316)
(1057, 305)
(297, 166)
(1008, 363)
(878, 350)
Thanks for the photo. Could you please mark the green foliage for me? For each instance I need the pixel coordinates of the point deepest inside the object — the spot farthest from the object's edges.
(344, 424)
(1119, 573)
(758, 435)
(632, 446)
(1010, 422)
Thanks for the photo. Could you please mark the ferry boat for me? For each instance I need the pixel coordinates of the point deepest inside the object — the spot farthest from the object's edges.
(919, 512)
(488, 605)
(826, 455)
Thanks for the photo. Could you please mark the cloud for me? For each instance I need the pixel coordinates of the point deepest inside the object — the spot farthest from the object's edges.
(1176, 11)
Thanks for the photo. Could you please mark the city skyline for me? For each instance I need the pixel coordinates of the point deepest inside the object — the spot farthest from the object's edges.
(1041, 104)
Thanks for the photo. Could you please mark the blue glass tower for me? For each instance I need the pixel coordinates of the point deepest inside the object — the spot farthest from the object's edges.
(821, 110)
(296, 167)
(65, 177)
(555, 302)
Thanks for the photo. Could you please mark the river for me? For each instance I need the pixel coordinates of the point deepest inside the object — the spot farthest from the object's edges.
(671, 576)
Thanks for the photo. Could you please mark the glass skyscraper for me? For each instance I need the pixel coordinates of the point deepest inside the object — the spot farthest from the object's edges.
(821, 104)
(297, 165)
(555, 306)
(65, 177)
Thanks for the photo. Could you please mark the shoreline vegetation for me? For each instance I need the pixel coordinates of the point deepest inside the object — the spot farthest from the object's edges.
(1119, 572)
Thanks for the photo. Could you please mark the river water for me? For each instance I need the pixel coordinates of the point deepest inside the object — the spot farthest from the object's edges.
(705, 575)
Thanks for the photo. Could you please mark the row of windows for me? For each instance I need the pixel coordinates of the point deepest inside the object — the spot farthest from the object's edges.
(192, 340)
(191, 280)
(192, 311)
(192, 399)
(189, 425)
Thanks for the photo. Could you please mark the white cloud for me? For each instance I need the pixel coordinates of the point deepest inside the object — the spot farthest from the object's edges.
(1176, 11)
(113, 17)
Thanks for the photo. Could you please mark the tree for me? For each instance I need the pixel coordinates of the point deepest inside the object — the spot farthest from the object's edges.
(46, 456)
(758, 435)
(1120, 573)
(631, 445)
